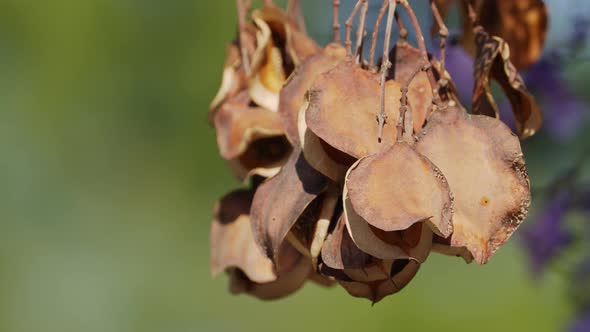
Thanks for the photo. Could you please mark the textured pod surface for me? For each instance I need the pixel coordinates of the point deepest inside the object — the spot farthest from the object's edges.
(483, 163)
(343, 107)
(399, 187)
(292, 95)
(281, 200)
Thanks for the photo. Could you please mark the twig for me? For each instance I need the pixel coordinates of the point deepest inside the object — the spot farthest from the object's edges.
(376, 32)
(336, 24)
(295, 11)
(422, 47)
(385, 65)
(348, 27)
(403, 32)
(443, 31)
(242, 12)
(360, 34)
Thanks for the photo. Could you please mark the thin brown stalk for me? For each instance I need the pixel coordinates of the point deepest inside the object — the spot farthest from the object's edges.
(403, 32)
(348, 27)
(376, 32)
(385, 65)
(242, 12)
(295, 11)
(360, 34)
(336, 21)
(421, 44)
(443, 31)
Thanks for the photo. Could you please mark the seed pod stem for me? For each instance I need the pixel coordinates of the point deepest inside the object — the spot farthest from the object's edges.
(421, 44)
(385, 65)
(242, 12)
(375, 33)
(443, 32)
(348, 26)
(360, 34)
(336, 21)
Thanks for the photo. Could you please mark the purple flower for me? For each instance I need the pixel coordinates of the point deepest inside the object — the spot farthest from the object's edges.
(546, 238)
(564, 112)
(581, 323)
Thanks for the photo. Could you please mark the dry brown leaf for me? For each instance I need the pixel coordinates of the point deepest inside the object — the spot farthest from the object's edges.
(493, 62)
(340, 252)
(483, 163)
(443, 246)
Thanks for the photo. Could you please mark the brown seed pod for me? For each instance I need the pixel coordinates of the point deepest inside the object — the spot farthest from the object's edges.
(380, 280)
(493, 61)
(280, 201)
(292, 95)
(232, 242)
(250, 137)
(340, 252)
(399, 187)
(343, 107)
(483, 163)
(292, 275)
(521, 23)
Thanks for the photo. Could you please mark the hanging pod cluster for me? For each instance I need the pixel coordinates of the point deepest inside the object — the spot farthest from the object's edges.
(357, 170)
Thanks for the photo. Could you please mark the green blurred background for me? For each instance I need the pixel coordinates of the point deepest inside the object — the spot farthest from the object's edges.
(109, 171)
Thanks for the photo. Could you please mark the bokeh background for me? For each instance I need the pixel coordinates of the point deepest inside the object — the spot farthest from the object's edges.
(109, 171)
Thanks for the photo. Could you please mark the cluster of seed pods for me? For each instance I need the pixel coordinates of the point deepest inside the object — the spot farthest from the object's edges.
(356, 170)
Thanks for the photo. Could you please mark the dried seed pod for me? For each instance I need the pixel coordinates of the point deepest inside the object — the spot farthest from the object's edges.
(250, 137)
(339, 251)
(234, 77)
(234, 250)
(293, 273)
(380, 280)
(399, 187)
(493, 61)
(279, 48)
(382, 244)
(443, 246)
(521, 23)
(483, 163)
(232, 242)
(292, 95)
(343, 107)
(280, 201)
(321, 156)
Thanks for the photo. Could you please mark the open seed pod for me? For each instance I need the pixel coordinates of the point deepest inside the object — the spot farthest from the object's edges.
(234, 77)
(279, 48)
(234, 250)
(493, 62)
(381, 279)
(521, 23)
(483, 163)
(343, 107)
(281, 200)
(359, 273)
(292, 95)
(250, 137)
(414, 242)
(399, 187)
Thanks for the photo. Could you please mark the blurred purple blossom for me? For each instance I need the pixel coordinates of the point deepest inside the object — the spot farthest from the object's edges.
(546, 238)
(582, 323)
